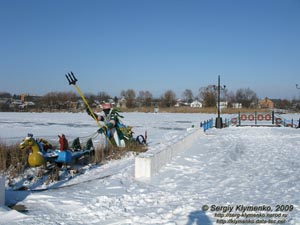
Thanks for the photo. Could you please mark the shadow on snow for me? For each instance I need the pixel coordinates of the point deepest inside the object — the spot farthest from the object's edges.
(199, 218)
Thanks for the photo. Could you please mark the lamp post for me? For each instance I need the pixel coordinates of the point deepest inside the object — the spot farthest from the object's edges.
(219, 123)
(297, 86)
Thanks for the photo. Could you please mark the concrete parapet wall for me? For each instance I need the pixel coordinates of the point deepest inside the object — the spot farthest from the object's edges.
(149, 163)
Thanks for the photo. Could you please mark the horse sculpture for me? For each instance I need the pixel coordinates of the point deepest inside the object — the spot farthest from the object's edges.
(35, 157)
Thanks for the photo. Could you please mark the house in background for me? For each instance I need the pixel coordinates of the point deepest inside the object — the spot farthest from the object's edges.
(266, 104)
(223, 105)
(196, 104)
(180, 102)
(122, 103)
(236, 105)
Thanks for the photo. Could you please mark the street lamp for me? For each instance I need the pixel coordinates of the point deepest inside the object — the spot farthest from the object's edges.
(219, 123)
(297, 86)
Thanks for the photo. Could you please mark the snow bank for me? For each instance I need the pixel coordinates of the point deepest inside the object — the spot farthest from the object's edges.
(9, 216)
(2, 191)
(149, 163)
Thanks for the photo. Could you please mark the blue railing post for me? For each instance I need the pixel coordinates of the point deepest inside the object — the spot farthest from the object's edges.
(207, 124)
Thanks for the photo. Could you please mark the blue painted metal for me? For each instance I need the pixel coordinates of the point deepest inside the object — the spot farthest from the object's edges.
(207, 124)
(65, 157)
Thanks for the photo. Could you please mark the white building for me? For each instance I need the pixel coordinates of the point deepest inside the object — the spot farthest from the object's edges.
(237, 105)
(196, 104)
(223, 105)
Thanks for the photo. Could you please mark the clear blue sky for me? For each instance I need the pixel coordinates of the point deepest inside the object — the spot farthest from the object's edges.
(153, 45)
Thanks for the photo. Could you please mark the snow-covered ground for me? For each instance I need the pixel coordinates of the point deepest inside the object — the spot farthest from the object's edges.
(159, 126)
(231, 167)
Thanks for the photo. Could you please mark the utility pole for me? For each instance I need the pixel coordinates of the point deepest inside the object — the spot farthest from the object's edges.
(219, 123)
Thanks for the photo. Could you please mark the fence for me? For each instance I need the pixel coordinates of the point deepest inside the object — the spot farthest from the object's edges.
(207, 124)
(281, 121)
(262, 119)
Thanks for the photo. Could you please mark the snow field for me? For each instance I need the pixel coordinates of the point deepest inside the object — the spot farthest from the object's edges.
(232, 166)
(223, 167)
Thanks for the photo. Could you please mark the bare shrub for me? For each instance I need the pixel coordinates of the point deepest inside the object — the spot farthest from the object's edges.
(13, 160)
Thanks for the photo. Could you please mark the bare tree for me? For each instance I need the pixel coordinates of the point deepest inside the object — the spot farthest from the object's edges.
(230, 97)
(283, 104)
(116, 100)
(246, 97)
(129, 95)
(168, 99)
(58, 100)
(208, 95)
(145, 98)
(103, 96)
(188, 96)
(91, 98)
(5, 95)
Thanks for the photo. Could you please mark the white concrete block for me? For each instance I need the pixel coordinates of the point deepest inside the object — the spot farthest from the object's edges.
(149, 163)
(143, 167)
(2, 191)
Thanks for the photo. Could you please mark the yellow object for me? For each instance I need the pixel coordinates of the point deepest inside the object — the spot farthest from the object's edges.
(87, 104)
(35, 157)
(72, 80)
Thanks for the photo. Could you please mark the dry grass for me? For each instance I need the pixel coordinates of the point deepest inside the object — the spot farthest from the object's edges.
(103, 153)
(212, 110)
(12, 159)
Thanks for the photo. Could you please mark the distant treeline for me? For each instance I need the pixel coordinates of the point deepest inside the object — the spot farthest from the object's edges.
(130, 99)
